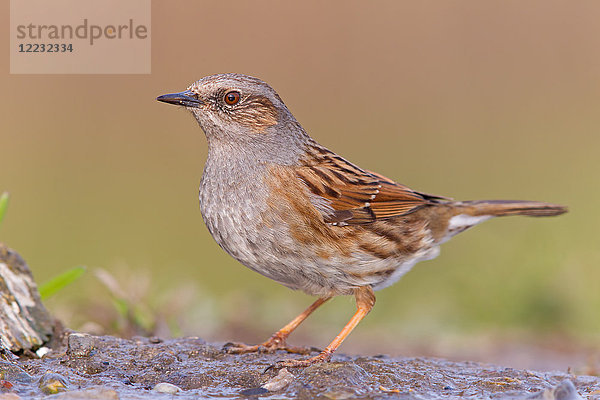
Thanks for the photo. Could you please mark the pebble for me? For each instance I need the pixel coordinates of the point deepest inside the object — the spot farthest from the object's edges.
(91, 393)
(165, 387)
(279, 382)
(52, 383)
(80, 345)
(42, 351)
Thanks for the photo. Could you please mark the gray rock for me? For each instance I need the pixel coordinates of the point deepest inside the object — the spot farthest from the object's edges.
(132, 368)
(283, 379)
(80, 344)
(24, 321)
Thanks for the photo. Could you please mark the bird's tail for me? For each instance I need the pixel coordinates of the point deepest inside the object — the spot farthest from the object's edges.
(498, 208)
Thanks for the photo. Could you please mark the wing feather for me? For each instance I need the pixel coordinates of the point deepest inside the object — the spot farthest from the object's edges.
(356, 196)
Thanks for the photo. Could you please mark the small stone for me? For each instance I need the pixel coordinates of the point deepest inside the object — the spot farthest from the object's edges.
(42, 351)
(52, 383)
(80, 345)
(165, 387)
(279, 382)
(92, 393)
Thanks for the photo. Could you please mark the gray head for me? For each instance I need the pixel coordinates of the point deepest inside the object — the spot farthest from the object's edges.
(239, 109)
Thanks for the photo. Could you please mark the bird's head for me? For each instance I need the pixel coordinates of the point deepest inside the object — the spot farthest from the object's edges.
(234, 107)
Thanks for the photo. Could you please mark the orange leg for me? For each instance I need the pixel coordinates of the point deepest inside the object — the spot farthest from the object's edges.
(277, 341)
(365, 299)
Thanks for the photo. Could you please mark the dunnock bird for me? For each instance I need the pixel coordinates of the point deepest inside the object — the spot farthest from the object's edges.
(298, 213)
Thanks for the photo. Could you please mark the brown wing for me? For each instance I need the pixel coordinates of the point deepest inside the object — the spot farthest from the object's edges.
(356, 196)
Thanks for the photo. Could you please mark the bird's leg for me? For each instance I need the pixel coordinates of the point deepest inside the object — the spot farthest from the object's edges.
(278, 340)
(365, 299)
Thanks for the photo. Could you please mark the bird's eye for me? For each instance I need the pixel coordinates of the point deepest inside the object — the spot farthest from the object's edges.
(232, 98)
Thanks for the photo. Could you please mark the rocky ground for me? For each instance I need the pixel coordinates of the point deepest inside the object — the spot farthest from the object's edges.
(81, 366)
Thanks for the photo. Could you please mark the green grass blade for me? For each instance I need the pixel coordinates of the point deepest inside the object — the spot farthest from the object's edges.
(57, 283)
(3, 205)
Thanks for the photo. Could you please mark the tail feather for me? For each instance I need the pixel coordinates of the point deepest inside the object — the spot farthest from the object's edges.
(498, 208)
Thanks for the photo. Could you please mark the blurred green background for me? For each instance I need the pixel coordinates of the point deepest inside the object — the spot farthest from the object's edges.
(467, 99)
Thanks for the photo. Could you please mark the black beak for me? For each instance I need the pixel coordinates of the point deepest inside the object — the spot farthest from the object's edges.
(181, 99)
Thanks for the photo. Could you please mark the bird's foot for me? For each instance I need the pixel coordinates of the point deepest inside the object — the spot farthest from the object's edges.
(324, 356)
(270, 346)
(239, 348)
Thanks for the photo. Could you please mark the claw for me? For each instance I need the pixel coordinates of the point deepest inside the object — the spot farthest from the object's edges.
(238, 348)
(270, 367)
(228, 345)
